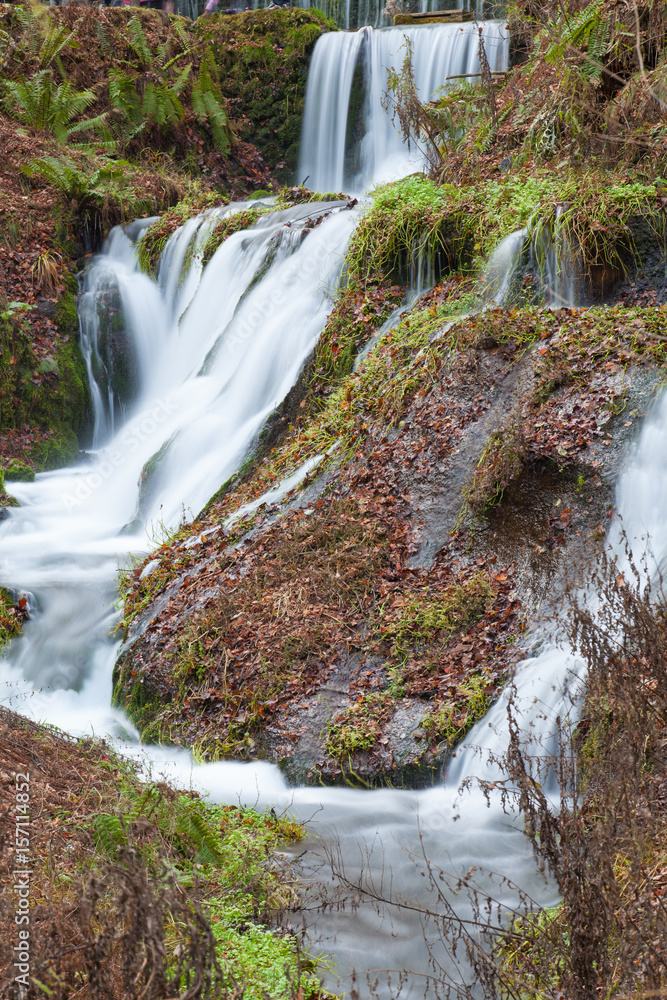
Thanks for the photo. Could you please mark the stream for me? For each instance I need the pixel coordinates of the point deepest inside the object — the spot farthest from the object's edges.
(216, 350)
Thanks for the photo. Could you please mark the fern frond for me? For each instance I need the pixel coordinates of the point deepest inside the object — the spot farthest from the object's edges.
(182, 34)
(208, 106)
(123, 96)
(62, 174)
(193, 824)
(109, 833)
(181, 80)
(139, 43)
(57, 39)
(146, 804)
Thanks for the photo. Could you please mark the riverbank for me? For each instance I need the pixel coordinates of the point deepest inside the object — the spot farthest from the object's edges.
(132, 884)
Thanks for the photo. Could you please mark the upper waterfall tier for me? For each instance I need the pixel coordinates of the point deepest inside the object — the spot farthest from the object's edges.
(353, 14)
(348, 139)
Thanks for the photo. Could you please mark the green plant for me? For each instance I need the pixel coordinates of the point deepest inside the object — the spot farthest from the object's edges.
(358, 727)
(41, 103)
(19, 472)
(500, 463)
(76, 183)
(159, 99)
(435, 615)
(449, 721)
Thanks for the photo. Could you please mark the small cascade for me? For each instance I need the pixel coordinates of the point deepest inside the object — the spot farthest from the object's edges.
(115, 325)
(557, 265)
(534, 266)
(336, 95)
(215, 352)
(502, 267)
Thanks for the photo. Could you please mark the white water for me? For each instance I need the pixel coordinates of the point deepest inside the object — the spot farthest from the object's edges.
(64, 542)
(213, 379)
(547, 258)
(439, 51)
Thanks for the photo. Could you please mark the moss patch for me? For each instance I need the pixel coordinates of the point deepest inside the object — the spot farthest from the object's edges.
(457, 226)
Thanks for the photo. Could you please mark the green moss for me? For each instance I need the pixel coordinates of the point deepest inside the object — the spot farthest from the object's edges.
(19, 472)
(457, 226)
(448, 721)
(262, 57)
(143, 705)
(358, 727)
(67, 319)
(75, 403)
(57, 451)
(225, 227)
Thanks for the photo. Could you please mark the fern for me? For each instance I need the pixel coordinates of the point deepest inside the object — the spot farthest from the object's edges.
(40, 103)
(207, 104)
(76, 183)
(598, 46)
(146, 804)
(124, 97)
(161, 105)
(139, 43)
(575, 31)
(192, 824)
(109, 833)
(53, 44)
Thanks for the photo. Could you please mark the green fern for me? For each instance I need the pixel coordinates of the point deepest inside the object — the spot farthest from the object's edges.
(574, 31)
(75, 183)
(109, 833)
(192, 824)
(208, 106)
(598, 46)
(40, 103)
(57, 39)
(124, 97)
(146, 804)
(139, 43)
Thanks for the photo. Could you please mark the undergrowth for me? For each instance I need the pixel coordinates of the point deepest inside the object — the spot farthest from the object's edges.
(142, 887)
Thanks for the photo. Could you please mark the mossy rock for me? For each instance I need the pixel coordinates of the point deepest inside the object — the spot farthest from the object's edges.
(67, 318)
(139, 699)
(19, 472)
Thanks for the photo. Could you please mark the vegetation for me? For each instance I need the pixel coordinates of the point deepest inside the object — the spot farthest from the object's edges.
(456, 227)
(142, 886)
(12, 615)
(392, 584)
(606, 846)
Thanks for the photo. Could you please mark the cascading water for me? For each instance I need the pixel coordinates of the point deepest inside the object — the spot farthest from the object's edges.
(334, 93)
(214, 361)
(539, 266)
(215, 351)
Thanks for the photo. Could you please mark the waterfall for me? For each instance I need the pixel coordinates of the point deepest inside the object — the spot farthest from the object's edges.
(439, 51)
(215, 350)
(225, 345)
(544, 259)
(216, 353)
